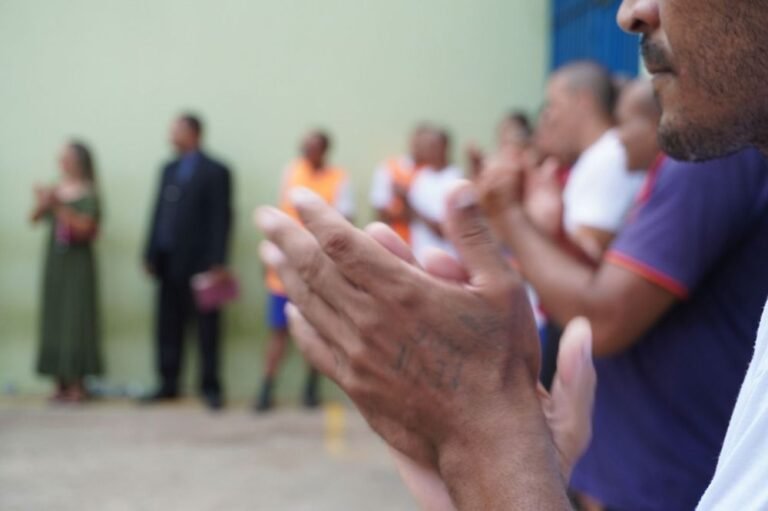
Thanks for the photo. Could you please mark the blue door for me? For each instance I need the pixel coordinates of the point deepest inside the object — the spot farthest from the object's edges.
(587, 29)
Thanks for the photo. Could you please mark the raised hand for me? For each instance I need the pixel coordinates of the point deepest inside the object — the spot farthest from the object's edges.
(444, 371)
(510, 181)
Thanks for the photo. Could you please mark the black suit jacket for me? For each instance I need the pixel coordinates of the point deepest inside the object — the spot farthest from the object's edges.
(202, 220)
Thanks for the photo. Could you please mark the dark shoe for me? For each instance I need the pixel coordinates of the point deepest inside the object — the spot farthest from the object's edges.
(311, 396)
(214, 401)
(264, 402)
(159, 396)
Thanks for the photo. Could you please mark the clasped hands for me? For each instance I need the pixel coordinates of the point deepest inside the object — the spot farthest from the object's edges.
(442, 360)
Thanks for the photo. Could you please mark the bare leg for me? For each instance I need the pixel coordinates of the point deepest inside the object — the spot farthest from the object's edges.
(61, 391)
(76, 392)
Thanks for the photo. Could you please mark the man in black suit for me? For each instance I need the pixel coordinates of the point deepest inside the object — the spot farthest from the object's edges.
(189, 234)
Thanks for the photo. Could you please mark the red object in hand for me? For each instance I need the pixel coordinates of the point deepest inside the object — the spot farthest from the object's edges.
(214, 289)
(66, 235)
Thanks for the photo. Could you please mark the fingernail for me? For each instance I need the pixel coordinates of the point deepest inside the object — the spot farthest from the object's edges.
(466, 198)
(265, 219)
(303, 197)
(270, 254)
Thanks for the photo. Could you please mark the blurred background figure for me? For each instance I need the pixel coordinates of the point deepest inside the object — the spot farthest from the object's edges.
(428, 193)
(70, 324)
(600, 190)
(189, 234)
(392, 181)
(314, 172)
(661, 294)
(514, 134)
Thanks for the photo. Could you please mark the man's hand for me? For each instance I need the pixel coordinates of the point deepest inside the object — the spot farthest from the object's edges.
(512, 182)
(444, 371)
(568, 409)
(569, 417)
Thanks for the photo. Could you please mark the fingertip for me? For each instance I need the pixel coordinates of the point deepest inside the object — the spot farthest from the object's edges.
(462, 195)
(270, 254)
(265, 218)
(575, 349)
(579, 331)
(303, 197)
(291, 311)
(376, 227)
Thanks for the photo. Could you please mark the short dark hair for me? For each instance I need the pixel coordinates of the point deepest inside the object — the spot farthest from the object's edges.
(595, 79)
(84, 160)
(193, 121)
(324, 137)
(521, 119)
(445, 137)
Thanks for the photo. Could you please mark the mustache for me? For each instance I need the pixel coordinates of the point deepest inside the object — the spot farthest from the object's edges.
(654, 55)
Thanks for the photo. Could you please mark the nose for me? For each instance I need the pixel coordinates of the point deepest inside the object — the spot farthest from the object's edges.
(639, 16)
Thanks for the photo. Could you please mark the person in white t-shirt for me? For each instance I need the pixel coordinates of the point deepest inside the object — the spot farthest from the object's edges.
(427, 194)
(600, 190)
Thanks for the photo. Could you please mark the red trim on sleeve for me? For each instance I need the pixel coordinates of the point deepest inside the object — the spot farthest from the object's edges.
(648, 273)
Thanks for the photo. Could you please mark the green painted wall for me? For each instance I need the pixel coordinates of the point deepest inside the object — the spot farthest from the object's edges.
(114, 72)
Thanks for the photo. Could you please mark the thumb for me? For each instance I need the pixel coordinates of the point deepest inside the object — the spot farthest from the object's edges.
(470, 234)
(573, 392)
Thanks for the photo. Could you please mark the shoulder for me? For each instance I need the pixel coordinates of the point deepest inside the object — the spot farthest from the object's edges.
(214, 166)
(745, 172)
(170, 164)
(340, 173)
(606, 153)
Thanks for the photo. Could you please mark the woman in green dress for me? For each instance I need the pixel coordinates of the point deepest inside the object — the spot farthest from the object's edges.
(69, 328)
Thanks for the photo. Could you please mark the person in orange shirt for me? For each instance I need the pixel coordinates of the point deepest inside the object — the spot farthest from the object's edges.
(392, 181)
(311, 170)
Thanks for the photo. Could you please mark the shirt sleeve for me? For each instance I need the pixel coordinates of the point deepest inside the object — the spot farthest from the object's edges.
(611, 192)
(345, 200)
(381, 189)
(694, 215)
(428, 194)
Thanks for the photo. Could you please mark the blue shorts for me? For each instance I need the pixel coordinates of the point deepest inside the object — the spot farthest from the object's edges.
(276, 312)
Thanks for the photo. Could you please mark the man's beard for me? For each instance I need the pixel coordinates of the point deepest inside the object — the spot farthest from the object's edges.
(689, 140)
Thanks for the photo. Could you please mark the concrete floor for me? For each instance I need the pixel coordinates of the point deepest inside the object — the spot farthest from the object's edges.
(117, 456)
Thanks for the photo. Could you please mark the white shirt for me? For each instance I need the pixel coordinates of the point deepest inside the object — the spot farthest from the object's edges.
(427, 196)
(344, 202)
(600, 190)
(741, 478)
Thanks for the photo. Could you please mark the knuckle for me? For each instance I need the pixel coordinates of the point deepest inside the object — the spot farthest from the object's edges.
(368, 325)
(508, 285)
(309, 264)
(406, 294)
(475, 232)
(337, 243)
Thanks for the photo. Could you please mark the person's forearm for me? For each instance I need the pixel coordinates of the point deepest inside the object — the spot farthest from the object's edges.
(37, 213)
(560, 279)
(506, 463)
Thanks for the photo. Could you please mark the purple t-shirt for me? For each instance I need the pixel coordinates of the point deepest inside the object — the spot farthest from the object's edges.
(663, 406)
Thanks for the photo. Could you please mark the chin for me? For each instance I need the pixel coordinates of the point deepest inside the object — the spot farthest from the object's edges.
(689, 140)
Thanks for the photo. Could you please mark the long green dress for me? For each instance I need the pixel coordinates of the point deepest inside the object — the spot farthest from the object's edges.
(70, 326)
